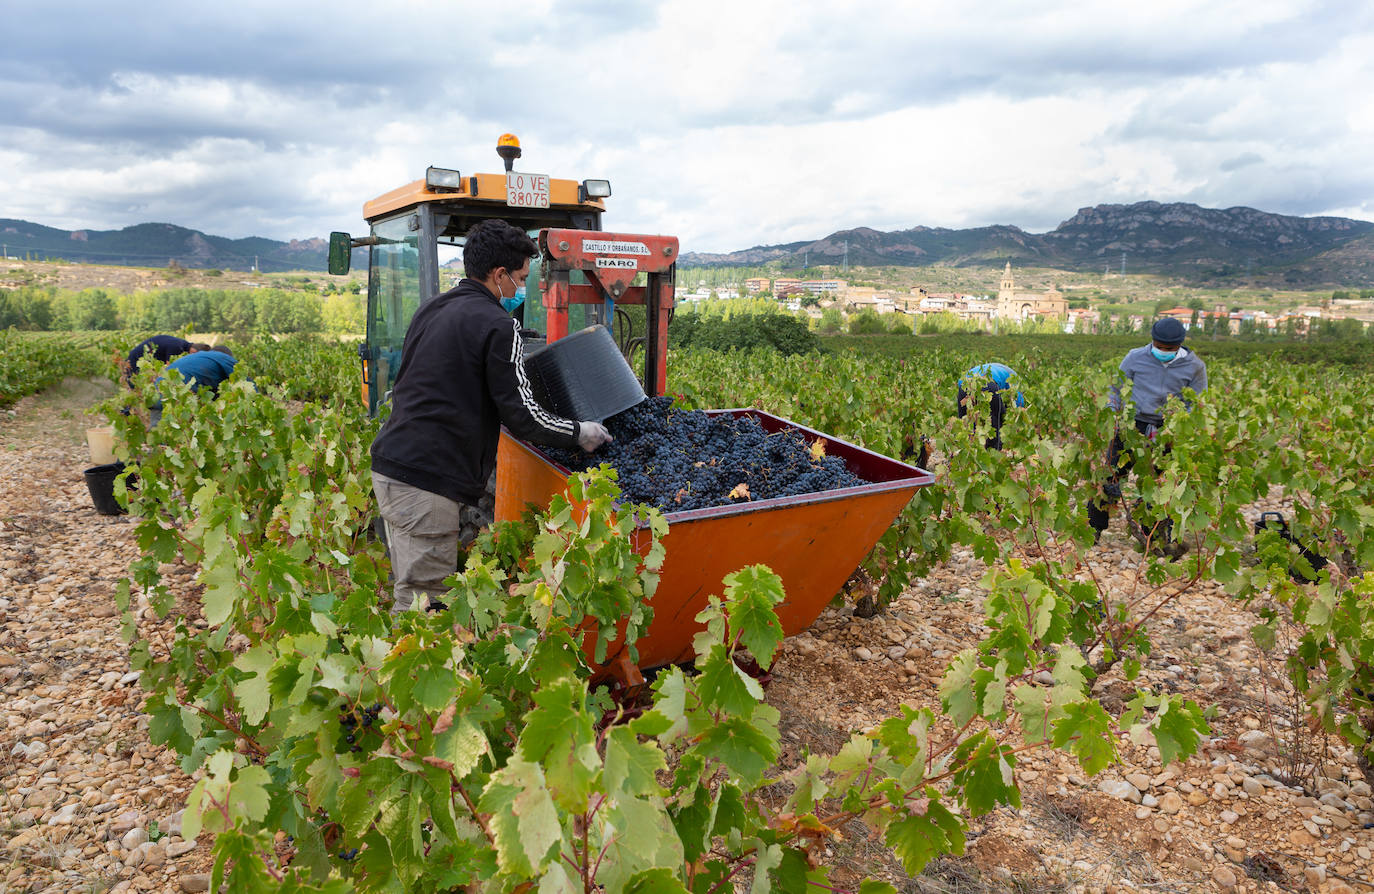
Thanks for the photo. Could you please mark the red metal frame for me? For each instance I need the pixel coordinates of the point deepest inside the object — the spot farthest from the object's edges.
(611, 261)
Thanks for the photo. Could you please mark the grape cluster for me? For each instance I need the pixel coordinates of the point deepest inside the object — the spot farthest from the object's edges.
(685, 459)
(355, 724)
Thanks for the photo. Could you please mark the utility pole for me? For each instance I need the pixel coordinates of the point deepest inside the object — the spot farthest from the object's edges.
(846, 257)
(1123, 263)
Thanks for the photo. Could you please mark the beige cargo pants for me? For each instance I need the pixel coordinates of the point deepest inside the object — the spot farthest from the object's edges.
(422, 537)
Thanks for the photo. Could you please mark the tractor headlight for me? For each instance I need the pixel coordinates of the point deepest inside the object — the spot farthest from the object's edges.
(442, 178)
(596, 189)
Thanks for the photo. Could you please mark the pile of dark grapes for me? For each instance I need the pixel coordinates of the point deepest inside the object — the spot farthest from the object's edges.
(685, 459)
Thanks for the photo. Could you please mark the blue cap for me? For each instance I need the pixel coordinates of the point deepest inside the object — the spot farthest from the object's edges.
(1168, 331)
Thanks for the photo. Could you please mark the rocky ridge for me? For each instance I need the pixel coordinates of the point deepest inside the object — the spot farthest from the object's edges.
(1179, 239)
(157, 244)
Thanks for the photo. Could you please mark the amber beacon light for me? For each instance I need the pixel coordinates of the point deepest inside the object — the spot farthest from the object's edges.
(508, 147)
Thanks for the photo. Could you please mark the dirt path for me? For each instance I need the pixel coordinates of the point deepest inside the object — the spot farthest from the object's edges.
(80, 785)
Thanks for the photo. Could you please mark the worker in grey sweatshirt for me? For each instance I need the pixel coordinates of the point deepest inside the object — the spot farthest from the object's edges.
(1158, 371)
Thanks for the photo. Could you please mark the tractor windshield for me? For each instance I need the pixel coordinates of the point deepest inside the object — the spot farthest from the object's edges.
(393, 297)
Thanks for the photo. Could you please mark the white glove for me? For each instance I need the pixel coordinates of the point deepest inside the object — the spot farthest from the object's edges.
(591, 435)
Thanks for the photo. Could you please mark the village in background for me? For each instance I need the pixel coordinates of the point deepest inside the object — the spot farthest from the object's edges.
(62, 295)
(1010, 305)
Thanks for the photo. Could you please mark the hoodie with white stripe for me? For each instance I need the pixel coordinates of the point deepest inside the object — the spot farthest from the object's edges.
(461, 378)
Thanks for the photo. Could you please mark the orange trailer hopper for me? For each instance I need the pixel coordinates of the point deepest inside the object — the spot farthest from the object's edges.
(812, 541)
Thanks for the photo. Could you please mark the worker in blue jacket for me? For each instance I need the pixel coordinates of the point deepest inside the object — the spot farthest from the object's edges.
(204, 369)
(999, 377)
(201, 369)
(161, 348)
(1158, 371)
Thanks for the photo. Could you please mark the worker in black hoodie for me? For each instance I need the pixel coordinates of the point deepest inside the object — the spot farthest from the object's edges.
(461, 378)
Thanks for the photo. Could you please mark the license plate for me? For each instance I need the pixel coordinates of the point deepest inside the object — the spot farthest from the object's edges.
(527, 190)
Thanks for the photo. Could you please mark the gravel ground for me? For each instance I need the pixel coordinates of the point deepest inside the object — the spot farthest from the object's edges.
(87, 804)
(1268, 805)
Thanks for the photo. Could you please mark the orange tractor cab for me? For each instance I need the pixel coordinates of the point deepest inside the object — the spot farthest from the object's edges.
(582, 276)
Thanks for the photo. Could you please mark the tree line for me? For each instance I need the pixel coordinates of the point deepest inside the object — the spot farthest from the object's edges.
(46, 308)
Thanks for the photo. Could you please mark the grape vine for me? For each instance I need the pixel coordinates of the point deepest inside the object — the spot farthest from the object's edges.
(482, 756)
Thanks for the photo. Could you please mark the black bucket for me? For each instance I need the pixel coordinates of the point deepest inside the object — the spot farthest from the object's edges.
(100, 482)
(583, 376)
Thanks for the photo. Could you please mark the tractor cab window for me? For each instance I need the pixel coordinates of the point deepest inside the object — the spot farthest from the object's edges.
(393, 297)
(450, 258)
(536, 317)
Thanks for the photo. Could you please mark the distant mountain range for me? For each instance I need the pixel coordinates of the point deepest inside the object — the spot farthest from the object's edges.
(1199, 245)
(1203, 245)
(158, 244)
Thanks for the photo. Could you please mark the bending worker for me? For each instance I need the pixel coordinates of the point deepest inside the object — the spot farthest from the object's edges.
(1158, 371)
(999, 377)
(203, 367)
(161, 348)
(461, 378)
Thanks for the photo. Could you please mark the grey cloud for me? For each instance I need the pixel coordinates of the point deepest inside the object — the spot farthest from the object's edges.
(1017, 60)
(370, 57)
(226, 197)
(1203, 112)
(1296, 189)
(321, 90)
(589, 22)
(1244, 160)
(356, 45)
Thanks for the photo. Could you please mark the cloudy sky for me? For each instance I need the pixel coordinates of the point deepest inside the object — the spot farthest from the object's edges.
(730, 123)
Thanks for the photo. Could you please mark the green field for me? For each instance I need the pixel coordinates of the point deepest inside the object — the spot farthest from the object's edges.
(429, 750)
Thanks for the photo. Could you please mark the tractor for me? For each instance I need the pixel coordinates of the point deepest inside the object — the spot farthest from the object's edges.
(582, 276)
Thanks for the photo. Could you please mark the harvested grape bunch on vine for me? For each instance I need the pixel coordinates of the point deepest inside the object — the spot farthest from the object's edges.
(686, 459)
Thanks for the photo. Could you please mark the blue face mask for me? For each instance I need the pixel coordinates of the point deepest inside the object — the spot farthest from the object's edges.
(514, 301)
(1163, 356)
